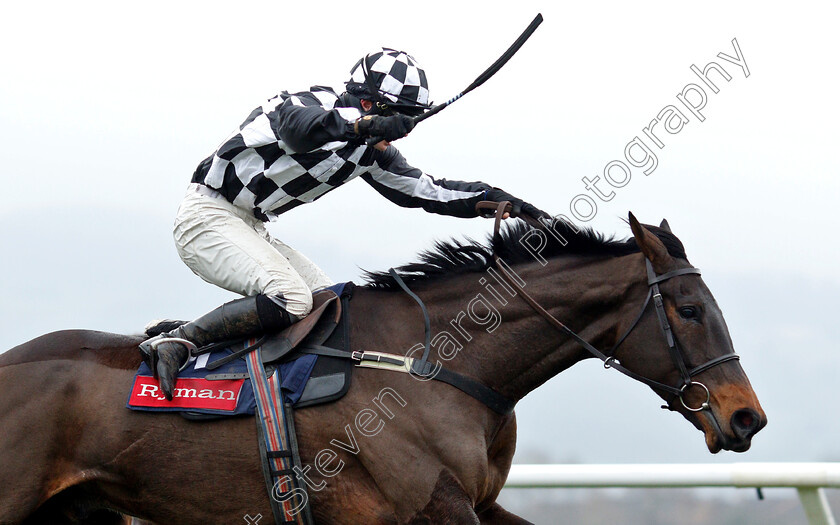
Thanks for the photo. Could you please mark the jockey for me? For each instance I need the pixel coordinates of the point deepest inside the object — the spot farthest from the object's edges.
(291, 151)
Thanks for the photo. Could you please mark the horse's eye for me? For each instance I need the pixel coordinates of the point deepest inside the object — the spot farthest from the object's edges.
(688, 312)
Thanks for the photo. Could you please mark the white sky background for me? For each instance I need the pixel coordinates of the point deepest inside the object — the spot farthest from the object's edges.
(106, 109)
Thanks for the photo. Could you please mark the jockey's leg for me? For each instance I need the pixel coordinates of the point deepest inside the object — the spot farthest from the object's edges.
(236, 319)
(312, 275)
(229, 248)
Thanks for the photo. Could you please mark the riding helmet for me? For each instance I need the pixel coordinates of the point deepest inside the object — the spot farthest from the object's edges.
(392, 79)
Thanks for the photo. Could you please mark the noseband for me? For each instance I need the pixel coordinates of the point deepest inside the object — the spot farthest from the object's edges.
(609, 359)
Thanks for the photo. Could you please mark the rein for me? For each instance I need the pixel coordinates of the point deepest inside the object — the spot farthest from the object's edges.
(609, 360)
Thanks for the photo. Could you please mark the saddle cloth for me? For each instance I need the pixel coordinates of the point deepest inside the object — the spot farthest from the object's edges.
(206, 389)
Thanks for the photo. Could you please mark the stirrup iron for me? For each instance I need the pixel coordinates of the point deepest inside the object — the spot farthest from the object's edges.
(191, 348)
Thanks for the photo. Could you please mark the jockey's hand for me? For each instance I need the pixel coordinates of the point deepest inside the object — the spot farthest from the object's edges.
(518, 206)
(388, 128)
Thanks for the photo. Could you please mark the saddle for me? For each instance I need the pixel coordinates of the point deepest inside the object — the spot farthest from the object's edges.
(315, 328)
(307, 380)
(329, 378)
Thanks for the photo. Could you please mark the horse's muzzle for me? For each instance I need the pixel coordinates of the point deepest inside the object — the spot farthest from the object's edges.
(745, 423)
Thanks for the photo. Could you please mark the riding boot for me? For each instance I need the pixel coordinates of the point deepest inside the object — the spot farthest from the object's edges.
(167, 353)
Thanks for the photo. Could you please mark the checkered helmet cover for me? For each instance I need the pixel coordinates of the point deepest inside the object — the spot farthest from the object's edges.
(392, 77)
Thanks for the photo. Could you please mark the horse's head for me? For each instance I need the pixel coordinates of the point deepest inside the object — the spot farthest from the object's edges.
(699, 370)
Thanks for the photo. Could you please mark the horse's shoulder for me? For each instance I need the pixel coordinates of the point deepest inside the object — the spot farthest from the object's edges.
(115, 350)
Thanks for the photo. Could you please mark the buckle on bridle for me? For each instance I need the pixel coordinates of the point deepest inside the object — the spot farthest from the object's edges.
(357, 355)
(608, 362)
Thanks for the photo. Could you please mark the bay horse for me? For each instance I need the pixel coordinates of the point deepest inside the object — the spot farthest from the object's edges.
(397, 448)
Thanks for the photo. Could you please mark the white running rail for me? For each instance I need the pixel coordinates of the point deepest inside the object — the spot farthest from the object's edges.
(808, 479)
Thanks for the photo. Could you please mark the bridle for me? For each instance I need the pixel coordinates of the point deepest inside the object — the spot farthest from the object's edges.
(609, 359)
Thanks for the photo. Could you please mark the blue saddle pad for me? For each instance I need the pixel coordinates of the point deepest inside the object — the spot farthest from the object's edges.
(197, 391)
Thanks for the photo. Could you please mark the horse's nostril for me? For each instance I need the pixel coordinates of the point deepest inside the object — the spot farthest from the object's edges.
(745, 423)
(745, 420)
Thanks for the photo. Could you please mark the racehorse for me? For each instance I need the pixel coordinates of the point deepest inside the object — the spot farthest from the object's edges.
(397, 448)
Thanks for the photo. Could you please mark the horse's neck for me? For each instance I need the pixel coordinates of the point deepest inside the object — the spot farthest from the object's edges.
(524, 351)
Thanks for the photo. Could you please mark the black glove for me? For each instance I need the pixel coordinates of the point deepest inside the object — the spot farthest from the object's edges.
(388, 128)
(518, 206)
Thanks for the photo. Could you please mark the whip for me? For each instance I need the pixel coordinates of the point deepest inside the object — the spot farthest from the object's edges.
(482, 78)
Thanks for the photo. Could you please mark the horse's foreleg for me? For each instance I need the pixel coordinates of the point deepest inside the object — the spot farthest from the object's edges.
(496, 515)
(449, 503)
(71, 508)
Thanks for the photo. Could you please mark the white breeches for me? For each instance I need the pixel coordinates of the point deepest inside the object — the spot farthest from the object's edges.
(230, 248)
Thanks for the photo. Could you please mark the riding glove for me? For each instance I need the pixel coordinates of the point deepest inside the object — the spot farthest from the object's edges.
(388, 128)
(518, 206)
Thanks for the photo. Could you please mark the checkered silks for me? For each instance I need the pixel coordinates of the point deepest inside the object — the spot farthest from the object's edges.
(397, 76)
(256, 170)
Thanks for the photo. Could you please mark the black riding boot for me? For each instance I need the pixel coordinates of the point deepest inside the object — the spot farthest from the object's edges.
(244, 317)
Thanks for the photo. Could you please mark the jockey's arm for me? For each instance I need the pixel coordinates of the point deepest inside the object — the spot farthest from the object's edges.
(307, 128)
(410, 187)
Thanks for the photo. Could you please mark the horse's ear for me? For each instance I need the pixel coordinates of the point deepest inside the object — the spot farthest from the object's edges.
(651, 246)
(665, 226)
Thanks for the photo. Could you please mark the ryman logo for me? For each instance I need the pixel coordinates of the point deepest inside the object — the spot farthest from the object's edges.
(190, 392)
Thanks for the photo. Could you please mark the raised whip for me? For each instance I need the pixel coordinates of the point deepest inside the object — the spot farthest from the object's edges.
(482, 78)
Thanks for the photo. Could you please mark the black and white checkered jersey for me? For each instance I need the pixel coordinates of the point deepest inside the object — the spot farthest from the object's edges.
(297, 147)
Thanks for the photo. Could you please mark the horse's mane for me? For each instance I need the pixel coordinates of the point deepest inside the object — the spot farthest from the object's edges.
(454, 257)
